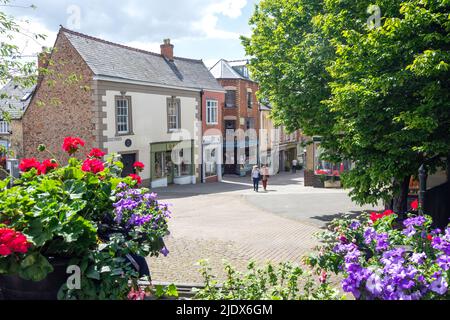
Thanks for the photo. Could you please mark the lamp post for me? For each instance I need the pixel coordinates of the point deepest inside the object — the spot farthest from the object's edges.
(422, 187)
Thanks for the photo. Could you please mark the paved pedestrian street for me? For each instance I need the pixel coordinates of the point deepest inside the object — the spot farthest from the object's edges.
(228, 221)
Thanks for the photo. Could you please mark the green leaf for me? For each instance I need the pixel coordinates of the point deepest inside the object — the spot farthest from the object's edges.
(75, 188)
(93, 274)
(35, 267)
(172, 290)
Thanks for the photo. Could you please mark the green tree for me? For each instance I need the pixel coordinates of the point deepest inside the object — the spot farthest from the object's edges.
(377, 96)
(13, 67)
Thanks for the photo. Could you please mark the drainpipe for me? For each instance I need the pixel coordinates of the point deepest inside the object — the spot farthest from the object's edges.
(202, 178)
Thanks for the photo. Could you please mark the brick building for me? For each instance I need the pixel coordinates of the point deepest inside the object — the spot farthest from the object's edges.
(240, 111)
(142, 105)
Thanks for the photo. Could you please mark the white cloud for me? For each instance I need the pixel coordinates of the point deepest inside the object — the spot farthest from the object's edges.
(210, 16)
(29, 46)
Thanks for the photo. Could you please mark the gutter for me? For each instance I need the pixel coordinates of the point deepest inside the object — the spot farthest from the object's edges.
(150, 84)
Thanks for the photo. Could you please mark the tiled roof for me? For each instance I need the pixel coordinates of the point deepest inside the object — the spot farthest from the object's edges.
(16, 99)
(113, 60)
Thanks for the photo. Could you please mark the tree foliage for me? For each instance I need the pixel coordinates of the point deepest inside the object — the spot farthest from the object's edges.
(377, 96)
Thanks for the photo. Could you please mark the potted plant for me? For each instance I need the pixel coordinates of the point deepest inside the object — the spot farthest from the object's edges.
(384, 258)
(81, 217)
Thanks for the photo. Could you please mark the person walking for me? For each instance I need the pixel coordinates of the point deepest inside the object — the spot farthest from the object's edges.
(294, 166)
(256, 176)
(265, 176)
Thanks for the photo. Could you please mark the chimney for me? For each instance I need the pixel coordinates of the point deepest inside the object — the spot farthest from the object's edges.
(167, 50)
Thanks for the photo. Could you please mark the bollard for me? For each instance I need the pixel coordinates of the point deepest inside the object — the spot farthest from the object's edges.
(422, 187)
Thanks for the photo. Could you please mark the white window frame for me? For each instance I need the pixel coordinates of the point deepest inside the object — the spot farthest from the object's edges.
(173, 104)
(123, 114)
(4, 127)
(212, 112)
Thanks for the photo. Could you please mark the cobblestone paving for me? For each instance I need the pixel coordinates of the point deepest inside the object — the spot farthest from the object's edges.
(219, 222)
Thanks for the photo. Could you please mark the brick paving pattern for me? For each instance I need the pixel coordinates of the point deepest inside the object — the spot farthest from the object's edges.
(226, 221)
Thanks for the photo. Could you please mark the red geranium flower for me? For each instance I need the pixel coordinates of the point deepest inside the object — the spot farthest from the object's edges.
(96, 153)
(28, 164)
(47, 166)
(71, 145)
(374, 216)
(12, 242)
(136, 178)
(138, 165)
(4, 250)
(415, 205)
(430, 237)
(93, 165)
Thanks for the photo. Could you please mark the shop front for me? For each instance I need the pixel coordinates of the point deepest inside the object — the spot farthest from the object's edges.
(322, 173)
(172, 163)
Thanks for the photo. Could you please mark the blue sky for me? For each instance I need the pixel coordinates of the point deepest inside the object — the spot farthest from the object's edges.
(200, 29)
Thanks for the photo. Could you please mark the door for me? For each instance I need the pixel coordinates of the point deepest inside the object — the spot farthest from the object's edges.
(128, 160)
(169, 167)
(230, 168)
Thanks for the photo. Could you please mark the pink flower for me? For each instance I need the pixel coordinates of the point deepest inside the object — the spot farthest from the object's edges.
(415, 205)
(138, 166)
(136, 178)
(47, 166)
(96, 153)
(136, 294)
(323, 276)
(71, 145)
(28, 164)
(93, 165)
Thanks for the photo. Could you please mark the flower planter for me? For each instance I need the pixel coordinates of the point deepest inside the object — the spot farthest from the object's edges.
(332, 184)
(16, 288)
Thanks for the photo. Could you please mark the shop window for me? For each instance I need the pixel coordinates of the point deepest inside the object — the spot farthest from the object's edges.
(323, 167)
(159, 167)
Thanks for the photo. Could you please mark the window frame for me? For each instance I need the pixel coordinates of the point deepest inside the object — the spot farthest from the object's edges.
(7, 125)
(177, 102)
(234, 99)
(209, 112)
(129, 115)
(250, 100)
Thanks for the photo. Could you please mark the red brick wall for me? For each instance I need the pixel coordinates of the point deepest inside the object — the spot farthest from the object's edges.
(63, 109)
(220, 98)
(241, 110)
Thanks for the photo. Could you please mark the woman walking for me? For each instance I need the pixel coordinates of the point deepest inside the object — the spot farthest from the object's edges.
(265, 176)
(256, 176)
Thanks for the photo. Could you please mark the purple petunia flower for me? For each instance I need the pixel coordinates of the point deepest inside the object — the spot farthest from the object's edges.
(409, 231)
(382, 242)
(369, 235)
(443, 262)
(415, 221)
(165, 251)
(374, 284)
(418, 258)
(355, 225)
(439, 286)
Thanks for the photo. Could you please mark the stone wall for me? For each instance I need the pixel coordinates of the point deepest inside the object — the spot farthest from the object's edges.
(61, 106)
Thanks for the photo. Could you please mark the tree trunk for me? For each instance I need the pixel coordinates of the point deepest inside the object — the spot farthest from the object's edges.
(400, 202)
(448, 168)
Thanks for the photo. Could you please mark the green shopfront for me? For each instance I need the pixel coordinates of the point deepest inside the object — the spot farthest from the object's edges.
(172, 163)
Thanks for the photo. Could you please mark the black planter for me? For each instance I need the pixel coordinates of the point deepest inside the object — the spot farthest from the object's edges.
(16, 288)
